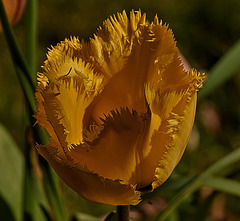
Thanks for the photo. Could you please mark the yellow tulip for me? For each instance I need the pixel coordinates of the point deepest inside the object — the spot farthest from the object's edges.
(119, 109)
(14, 10)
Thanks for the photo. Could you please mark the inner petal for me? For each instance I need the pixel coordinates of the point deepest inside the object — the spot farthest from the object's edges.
(123, 90)
(116, 153)
(126, 87)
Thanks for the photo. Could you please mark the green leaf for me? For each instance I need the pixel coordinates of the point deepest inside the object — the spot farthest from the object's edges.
(5, 211)
(203, 208)
(224, 185)
(33, 205)
(12, 171)
(111, 216)
(84, 217)
(174, 216)
(51, 186)
(197, 182)
(173, 184)
(224, 69)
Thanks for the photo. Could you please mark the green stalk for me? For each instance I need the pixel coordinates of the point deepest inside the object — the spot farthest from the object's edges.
(18, 61)
(123, 213)
(197, 182)
(51, 185)
(16, 55)
(27, 78)
(31, 37)
(27, 91)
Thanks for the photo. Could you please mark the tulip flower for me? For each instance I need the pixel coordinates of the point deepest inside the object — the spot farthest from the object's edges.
(119, 110)
(14, 10)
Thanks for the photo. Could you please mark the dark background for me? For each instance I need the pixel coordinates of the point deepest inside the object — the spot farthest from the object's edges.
(204, 30)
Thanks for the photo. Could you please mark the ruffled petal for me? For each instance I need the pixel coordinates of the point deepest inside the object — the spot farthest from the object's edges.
(91, 186)
(108, 51)
(64, 60)
(130, 54)
(180, 128)
(63, 100)
(53, 128)
(168, 114)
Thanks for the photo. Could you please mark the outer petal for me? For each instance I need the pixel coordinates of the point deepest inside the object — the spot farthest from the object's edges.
(91, 186)
(177, 111)
(62, 100)
(171, 123)
(175, 141)
(180, 127)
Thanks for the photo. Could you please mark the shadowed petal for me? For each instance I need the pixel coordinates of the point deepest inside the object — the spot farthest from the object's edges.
(91, 186)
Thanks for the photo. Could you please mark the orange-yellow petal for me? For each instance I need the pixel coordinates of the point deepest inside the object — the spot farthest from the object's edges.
(63, 98)
(117, 151)
(167, 144)
(119, 110)
(178, 142)
(168, 112)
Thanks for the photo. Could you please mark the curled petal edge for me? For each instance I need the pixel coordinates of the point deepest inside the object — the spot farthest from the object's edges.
(179, 130)
(176, 149)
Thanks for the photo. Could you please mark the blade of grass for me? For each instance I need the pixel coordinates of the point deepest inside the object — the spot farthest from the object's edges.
(33, 209)
(224, 69)
(203, 208)
(197, 182)
(224, 185)
(51, 185)
(171, 185)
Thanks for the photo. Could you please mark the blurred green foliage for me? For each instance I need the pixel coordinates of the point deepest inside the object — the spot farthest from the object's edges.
(204, 31)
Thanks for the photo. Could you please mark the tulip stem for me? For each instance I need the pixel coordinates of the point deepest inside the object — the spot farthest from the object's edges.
(123, 213)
